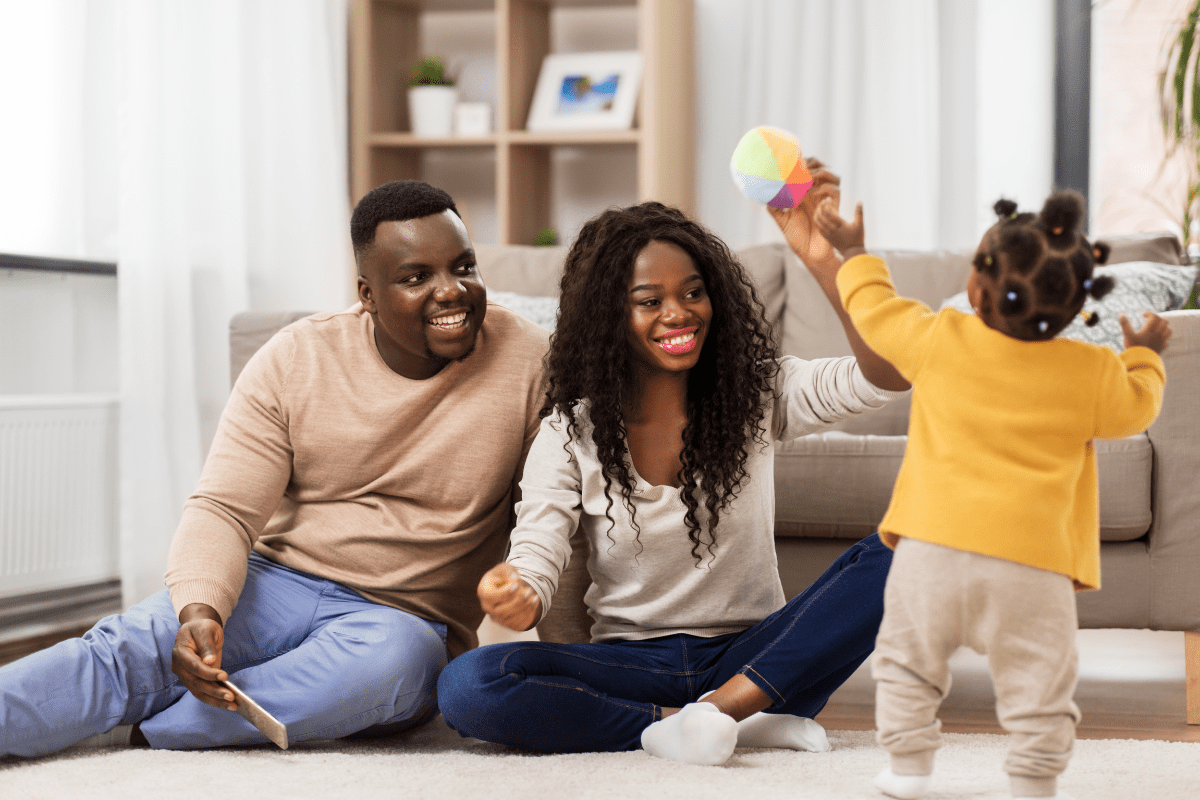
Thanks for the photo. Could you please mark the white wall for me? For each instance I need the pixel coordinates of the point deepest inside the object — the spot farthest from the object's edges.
(1133, 187)
(58, 333)
(1014, 112)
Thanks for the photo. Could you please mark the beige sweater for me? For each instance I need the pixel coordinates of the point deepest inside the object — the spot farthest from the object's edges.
(328, 462)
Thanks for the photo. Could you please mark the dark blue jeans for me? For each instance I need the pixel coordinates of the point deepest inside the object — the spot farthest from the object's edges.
(573, 698)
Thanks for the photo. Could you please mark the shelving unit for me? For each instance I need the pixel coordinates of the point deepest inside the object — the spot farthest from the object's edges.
(385, 43)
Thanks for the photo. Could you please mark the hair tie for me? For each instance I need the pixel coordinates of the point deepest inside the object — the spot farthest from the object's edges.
(1087, 284)
(1012, 297)
(1043, 326)
(1087, 316)
(1058, 231)
(987, 260)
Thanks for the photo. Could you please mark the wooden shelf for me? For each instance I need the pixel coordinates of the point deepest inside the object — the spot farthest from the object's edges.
(556, 138)
(385, 44)
(577, 138)
(412, 140)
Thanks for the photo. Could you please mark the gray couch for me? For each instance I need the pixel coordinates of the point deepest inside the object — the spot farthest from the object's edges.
(832, 488)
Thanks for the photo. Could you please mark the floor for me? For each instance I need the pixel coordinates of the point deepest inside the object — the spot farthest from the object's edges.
(1131, 686)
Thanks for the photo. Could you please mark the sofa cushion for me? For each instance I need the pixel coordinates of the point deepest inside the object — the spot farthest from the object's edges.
(764, 263)
(250, 330)
(1125, 467)
(811, 328)
(839, 485)
(521, 269)
(1159, 246)
(835, 484)
(538, 310)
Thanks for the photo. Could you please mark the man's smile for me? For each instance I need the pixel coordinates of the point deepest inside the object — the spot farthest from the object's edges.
(450, 322)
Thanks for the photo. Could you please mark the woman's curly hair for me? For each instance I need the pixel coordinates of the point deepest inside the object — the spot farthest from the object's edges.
(590, 360)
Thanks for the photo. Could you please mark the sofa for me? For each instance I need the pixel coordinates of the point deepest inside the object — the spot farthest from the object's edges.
(833, 487)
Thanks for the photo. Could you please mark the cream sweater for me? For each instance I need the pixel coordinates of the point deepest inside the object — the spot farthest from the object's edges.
(653, 586)
(327, 461)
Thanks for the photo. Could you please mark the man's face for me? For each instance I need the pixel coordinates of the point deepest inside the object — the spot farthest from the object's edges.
(419, 281)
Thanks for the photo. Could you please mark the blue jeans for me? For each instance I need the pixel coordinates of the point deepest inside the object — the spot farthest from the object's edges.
(573, 698)
(321, 658)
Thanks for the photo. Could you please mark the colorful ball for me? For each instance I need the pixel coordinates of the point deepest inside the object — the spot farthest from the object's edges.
(768, 167)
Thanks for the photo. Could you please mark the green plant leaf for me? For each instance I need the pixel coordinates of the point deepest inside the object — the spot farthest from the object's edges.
(430, 71)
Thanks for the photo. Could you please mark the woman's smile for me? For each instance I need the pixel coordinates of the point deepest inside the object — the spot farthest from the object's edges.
(679, 342)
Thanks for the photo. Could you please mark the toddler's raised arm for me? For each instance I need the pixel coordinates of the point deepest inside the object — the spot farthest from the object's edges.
(817, 253)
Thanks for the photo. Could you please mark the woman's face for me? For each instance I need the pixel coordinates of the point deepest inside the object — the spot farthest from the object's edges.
(669, 309)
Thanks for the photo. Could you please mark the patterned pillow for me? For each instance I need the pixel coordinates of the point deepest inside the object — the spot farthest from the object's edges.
(538, 310)
(1141, 286)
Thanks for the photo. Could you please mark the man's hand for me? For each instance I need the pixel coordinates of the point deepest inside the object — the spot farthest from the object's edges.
(196, 658)
(508, 599)
(847, 237)
(1154, 334)
(797, 223)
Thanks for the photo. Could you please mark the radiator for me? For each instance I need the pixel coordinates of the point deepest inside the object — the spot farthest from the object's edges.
(58, 493)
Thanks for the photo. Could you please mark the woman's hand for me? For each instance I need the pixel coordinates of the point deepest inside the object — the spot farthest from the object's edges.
(847, 237)
(1154, 334)
(508, 599)
(797, 223)
(799, 226)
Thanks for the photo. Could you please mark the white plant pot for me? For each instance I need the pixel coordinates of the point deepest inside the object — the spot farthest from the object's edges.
(431, 110)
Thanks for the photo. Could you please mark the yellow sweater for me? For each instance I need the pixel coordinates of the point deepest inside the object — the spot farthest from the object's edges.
(1000, 459)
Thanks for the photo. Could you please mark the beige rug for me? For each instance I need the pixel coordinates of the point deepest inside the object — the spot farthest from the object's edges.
(433, 762)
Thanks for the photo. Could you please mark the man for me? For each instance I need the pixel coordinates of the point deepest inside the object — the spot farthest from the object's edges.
(359, 485)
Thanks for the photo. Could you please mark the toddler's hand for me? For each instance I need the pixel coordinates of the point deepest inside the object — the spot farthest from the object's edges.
(508, 599)
(1154, 334)
(796, 223)
(847, 237)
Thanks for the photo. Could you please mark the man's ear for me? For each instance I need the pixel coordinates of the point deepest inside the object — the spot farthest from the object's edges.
(365, 295)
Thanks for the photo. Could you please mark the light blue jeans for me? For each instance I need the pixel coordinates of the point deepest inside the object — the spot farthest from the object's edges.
(322, 659)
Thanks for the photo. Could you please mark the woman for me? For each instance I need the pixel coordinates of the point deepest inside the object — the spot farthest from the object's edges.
(665, 399)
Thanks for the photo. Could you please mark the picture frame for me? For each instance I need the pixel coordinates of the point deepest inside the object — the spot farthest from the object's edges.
(586, 91)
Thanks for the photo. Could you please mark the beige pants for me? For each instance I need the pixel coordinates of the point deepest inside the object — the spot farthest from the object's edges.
(1023, 618)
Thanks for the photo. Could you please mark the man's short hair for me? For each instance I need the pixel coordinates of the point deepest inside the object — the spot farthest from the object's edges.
(395, 202)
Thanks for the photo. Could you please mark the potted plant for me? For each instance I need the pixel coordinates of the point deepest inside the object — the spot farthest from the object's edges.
(431, 98)
(1178, 88)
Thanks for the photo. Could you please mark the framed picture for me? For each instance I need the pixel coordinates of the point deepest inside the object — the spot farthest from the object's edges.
(586, 92)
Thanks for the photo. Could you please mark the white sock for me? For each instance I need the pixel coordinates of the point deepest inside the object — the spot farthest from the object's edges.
(782, 730)
(117, 737)
(904, 787)
(697, 734)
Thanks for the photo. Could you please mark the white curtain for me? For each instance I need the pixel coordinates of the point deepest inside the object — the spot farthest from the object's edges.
(893, 95)
(232, 195)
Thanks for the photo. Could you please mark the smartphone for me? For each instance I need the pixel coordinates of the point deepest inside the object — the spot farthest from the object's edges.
(258, 716)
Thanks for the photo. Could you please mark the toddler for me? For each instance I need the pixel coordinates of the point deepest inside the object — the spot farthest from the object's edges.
(995, 514)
